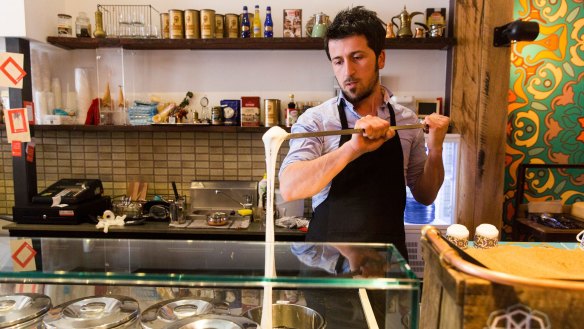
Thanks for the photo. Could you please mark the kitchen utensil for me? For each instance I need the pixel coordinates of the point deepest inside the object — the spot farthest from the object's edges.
(350, 131)
(405, 21)
(175, 190)
(218, 219)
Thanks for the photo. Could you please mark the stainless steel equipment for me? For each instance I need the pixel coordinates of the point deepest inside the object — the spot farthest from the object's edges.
(226, 196)
(95, 312)
(23, 311)
(290, 316)
(219, 321)
(161, 315)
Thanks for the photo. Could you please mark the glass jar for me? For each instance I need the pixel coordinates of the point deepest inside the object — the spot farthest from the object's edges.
(82, 26)
(64, 28)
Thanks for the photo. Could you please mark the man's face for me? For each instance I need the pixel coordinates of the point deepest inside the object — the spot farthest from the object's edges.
(355, 66)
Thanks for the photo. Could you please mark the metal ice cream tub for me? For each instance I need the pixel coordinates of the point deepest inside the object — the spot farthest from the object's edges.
(23, 311)
(95, 312)
(165, 313)
(215, 321)
(290, 316)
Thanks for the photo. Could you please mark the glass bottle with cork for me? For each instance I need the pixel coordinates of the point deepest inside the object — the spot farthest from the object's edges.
(268, 24)
(82, 26)
(291, 112)
(257, 23)
(245, 32)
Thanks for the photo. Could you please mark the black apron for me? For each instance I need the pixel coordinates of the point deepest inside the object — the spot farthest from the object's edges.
(367, 198)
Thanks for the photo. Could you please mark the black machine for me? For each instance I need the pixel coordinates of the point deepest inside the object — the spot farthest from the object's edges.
(71, 191)
(81, 200)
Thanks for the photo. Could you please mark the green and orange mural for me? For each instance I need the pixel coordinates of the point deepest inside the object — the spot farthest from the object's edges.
(546, 105)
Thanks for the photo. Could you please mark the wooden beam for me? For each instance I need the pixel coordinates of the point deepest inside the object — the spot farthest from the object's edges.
(479, 109)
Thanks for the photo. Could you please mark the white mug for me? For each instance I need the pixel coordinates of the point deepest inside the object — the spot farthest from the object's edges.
(580, 238)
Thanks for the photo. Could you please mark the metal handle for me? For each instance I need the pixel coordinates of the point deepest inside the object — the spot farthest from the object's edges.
(352, 131)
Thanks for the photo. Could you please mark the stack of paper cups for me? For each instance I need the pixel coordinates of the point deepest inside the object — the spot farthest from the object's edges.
(56, 89)
(83, 90)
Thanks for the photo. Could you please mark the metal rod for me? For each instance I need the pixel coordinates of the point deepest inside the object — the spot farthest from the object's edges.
(349, 131)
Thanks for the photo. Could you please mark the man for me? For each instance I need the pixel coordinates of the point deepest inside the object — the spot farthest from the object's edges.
(357, 183)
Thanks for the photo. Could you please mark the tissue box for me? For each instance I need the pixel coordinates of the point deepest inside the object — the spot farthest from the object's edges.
(538, 207)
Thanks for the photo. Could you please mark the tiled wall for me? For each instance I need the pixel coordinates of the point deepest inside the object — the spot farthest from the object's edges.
(154, 157)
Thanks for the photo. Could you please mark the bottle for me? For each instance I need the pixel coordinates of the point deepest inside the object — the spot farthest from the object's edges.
(245, 32)
(268, 24)
(262, 191)
(82, 26)
(257, 23)
(291, 112)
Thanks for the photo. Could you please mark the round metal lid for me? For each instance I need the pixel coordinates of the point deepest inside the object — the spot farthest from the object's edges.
(215, 321)
(96, 312)
(160, 315)
(19, 308)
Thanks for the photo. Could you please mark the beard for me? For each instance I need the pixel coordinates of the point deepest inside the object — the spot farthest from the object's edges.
(355, 97)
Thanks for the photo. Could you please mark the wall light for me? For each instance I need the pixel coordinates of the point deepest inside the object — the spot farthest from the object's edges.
(515, 31)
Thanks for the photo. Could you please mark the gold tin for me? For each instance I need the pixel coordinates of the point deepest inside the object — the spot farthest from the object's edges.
(219, 26)
(192, 24)
(232, 26)
(207, 23)
(272, 110)
(177, 29)
(165, 25)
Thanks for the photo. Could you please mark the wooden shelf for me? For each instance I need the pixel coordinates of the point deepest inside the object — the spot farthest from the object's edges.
(235, 44)
(153, 128)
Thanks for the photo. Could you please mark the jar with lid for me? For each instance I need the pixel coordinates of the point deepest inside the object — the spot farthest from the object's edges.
(64, 24)
(82, 26)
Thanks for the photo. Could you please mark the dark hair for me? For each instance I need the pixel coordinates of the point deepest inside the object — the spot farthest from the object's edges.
(357, 21)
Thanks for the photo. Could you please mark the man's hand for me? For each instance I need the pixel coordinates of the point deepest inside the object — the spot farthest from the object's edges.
(438, 127)
(376, 132)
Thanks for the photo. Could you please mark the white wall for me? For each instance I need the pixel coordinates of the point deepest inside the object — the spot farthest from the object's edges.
(12, 23)
(232, 74)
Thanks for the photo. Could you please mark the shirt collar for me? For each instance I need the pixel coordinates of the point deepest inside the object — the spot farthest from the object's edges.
(342, 100)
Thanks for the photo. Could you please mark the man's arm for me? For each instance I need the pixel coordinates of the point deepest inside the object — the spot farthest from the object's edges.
(304, 179)
(429, 183)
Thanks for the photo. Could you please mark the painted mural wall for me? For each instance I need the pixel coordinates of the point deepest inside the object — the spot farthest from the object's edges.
(546, 105)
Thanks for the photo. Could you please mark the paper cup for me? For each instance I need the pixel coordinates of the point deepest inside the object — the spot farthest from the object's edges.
(458, 235)
(486, 236)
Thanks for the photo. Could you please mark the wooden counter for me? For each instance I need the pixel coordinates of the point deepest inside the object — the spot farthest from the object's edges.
(150, 230)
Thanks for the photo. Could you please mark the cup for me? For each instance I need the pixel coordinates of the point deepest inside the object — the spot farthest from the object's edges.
(458, 235)
(580, 238)
(177, 211)
(486, 236)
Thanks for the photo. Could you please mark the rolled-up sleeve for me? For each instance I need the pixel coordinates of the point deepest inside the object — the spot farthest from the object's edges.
(303, 149)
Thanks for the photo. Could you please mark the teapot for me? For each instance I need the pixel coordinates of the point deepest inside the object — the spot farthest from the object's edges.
(405, 19)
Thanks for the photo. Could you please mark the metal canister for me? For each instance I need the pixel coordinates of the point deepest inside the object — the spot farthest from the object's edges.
(23, 311)
(165, 25)
(177, 28)
(232, 26)
(192, 24)
(207, 24)
(219, 26)
(272, 110)
(163, 314)
(109, 311)
(217, 116)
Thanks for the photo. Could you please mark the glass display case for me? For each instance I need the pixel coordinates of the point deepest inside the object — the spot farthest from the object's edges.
(166, 281)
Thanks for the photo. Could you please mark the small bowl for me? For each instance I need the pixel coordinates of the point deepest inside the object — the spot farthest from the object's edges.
(217, 219)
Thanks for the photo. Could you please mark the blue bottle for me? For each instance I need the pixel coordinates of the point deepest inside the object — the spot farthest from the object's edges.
(268, 24)
(245, 26)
